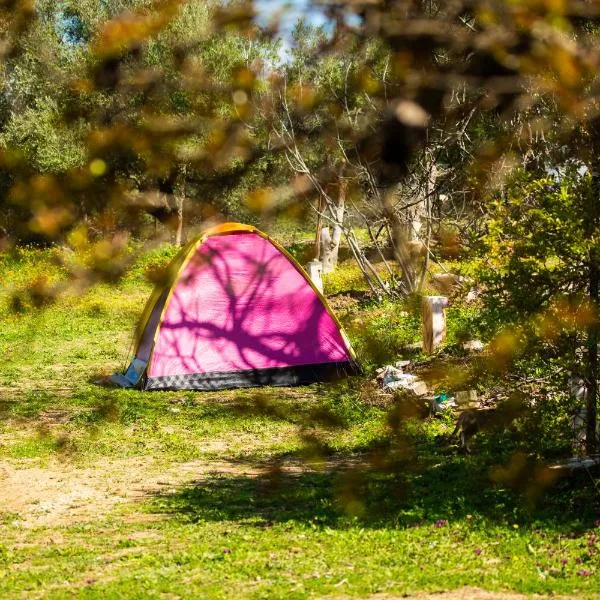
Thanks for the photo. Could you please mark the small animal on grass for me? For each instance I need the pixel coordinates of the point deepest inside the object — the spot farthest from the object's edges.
(470, 422)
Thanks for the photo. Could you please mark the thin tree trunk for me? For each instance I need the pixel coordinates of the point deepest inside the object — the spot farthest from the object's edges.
(330, 243)
(337, 227)
(592, 364)
(319, 228)
(326, 250)
(179, 233)
(426, 242)
(591, 378)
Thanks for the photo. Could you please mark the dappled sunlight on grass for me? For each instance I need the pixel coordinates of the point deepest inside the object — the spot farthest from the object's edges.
(310, 491)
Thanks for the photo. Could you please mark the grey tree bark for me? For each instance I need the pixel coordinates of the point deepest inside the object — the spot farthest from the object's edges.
(179, 232)
(330, 242)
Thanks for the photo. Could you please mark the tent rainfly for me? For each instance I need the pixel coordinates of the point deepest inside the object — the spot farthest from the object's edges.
(236, 310)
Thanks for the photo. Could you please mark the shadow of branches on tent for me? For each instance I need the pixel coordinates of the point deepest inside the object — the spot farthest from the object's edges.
(239, 304)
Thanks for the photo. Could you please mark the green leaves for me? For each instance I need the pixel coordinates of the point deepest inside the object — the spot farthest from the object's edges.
(536, 245)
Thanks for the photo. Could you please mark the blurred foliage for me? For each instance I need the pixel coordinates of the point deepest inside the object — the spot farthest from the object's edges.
(119, 115)
(123, 105)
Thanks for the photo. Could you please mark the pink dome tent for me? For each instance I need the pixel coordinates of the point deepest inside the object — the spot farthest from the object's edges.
(236, 311)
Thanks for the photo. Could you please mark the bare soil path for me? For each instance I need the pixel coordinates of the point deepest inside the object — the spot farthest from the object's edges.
(62, 493)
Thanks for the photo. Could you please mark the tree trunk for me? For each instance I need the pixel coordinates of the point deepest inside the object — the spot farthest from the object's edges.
(179, 232)
(339, 220)
(326, 250)
(318, 230)
(592, 358)
(401, 236)
(330, 244)
(591, 376)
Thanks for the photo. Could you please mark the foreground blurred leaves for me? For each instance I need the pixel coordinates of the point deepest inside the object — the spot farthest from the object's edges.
(119, 118)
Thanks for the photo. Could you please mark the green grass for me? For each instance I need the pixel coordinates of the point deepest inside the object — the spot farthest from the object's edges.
(279, 493)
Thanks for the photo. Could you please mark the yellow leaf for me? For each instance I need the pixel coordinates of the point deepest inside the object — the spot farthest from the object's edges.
(97, 167)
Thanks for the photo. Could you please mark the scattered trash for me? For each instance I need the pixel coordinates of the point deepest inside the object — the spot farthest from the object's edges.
(385, 374)
(394, 378)
(472, 295)
(442, 402)
(473, 346)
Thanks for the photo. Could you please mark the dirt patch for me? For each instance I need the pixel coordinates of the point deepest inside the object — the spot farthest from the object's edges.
(465, 593)
(54, 417)
(469, 593)
(59, 493)
(62, 493)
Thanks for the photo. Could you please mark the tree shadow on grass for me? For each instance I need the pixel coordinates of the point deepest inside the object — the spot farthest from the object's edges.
(353, 494)
(90, 404)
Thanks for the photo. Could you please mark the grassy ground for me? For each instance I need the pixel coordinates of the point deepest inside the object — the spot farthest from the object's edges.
(303, 492)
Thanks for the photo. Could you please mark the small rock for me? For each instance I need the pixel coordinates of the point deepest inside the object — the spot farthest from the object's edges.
(419, 388)
(466, 397)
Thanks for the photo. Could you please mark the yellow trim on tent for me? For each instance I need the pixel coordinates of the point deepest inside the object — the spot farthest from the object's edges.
(171, 275)
(180, 261)
(175, 267)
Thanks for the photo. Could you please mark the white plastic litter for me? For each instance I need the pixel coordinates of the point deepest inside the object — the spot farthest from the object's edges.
(394, 378)
(473, 346)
